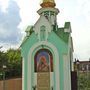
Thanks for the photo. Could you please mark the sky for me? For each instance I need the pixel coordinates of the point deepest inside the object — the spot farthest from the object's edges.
(16, 15)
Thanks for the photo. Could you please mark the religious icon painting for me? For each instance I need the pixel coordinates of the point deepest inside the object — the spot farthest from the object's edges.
(43, 61)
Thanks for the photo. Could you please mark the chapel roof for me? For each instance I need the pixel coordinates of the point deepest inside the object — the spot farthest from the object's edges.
(64, 35)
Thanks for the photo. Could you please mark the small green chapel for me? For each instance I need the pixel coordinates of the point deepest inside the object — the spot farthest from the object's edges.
(47, 52)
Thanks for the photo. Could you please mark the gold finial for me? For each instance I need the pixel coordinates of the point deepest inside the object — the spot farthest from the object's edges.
(48, 3)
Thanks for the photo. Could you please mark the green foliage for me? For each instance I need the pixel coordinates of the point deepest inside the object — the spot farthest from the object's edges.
(12, 59)
(3, 59)
(84, 80)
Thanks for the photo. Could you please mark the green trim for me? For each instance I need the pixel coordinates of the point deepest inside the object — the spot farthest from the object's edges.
(25, 48)
(32, 71)
(28, 44)
(25, 74)
(61, 73)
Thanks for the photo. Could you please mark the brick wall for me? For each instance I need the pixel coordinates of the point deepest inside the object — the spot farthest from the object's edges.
(12, 84)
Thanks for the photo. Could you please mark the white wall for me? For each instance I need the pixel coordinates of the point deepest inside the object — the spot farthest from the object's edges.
(67, 74)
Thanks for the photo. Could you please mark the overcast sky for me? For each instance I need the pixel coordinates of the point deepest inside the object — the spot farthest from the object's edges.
(16, 15)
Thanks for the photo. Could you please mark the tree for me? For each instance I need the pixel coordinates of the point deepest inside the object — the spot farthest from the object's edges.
(14, 62)
(3, 61)
(84, 80)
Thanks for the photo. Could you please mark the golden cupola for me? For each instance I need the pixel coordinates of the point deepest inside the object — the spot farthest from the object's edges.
(48, 3)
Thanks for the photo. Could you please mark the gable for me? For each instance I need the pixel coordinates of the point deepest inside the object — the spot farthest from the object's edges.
(28, 43)
(42, 22)
(58, 42)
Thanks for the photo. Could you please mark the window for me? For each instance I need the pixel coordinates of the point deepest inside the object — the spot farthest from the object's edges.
(42, 33)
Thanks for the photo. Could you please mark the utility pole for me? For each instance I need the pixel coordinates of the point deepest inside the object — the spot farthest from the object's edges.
(77, 63)
(87, 76)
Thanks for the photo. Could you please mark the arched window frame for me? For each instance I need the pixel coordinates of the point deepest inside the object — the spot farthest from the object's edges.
(42, 32)
(50, 60)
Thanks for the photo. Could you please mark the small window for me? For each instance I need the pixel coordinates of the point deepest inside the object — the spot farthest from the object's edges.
(42, 33)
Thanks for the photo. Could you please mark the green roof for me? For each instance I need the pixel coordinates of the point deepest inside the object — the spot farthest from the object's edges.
(61, 32)
(63, 35)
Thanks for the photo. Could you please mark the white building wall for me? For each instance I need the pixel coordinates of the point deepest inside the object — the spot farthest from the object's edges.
(42, 21)
(67, 76)
(70, 51)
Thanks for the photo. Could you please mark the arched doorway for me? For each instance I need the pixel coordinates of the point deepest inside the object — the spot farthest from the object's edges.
(43, 65)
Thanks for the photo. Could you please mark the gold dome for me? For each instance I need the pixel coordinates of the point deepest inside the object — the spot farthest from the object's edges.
(48, 3)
